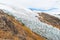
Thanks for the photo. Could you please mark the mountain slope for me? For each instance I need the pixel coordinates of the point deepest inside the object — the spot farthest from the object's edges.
(49, 19)
(30, 20)
(11, 29)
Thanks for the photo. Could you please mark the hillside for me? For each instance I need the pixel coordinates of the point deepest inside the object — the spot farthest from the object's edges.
(11, 29)
(49, 19)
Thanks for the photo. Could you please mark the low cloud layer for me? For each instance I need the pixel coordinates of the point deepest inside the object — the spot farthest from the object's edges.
(42, 4)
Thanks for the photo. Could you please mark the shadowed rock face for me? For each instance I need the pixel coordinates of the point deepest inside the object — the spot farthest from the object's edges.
(11, 29)
(49, 19)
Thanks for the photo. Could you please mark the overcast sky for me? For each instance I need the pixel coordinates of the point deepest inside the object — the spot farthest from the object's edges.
(42, 4)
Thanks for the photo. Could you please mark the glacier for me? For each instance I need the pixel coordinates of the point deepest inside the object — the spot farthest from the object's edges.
(29, 19)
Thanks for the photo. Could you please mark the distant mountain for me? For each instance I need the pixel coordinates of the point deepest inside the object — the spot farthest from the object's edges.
(38, 9)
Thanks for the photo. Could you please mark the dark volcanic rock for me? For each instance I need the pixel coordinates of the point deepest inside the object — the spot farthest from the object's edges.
(11, 29)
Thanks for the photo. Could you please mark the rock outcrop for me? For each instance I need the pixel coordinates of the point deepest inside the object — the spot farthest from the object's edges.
(49, 19)
(11, 29)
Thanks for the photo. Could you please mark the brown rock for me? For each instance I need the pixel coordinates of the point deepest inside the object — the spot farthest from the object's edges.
(11, 29)
(49, 19)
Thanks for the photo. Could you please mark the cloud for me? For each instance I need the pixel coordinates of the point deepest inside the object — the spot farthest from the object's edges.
(42, 4)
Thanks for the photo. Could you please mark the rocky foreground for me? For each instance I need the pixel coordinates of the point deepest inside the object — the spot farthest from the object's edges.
(11, 29)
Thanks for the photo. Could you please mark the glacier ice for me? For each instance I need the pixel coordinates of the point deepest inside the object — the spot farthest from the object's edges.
(29, 18)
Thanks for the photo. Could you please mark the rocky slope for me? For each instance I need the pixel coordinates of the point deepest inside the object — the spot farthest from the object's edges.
(49, 19)
(11, 29)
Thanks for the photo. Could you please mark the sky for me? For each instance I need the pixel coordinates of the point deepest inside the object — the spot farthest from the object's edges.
(39, 4)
